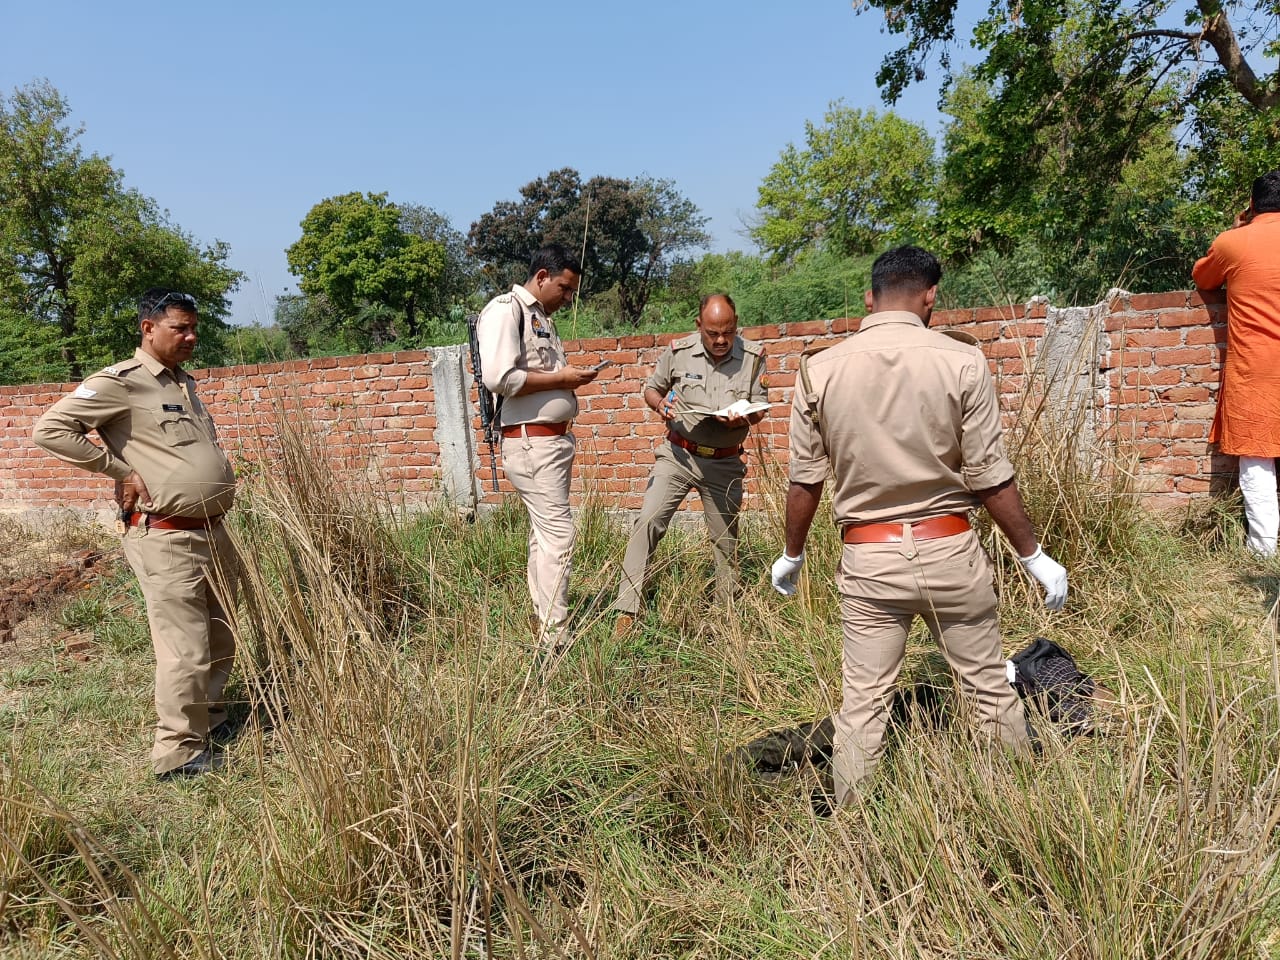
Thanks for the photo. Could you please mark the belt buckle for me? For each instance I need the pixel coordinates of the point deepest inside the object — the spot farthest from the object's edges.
(704, 451)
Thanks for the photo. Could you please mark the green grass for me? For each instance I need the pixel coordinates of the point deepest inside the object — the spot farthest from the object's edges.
(410, 783)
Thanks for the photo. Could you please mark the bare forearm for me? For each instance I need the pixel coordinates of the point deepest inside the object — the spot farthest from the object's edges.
(1004, 503)
(802, 505)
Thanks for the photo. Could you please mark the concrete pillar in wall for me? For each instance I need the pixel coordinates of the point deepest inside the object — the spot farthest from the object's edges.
(451, 379)
(1067, 367)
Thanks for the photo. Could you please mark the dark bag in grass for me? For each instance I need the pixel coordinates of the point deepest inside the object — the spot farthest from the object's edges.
(1047, 677)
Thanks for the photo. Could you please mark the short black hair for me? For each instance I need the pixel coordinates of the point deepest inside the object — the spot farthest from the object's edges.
(159, 299)
(702, 304)
(1266, 193)
(905, 270)
(554, 259)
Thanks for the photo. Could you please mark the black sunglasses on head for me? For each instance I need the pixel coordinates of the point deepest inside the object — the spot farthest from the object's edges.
(173, 299)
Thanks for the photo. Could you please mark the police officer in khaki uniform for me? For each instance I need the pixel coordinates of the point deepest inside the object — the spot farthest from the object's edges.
(696, 377)
(174, 484)
(523, 362)
(907, 421)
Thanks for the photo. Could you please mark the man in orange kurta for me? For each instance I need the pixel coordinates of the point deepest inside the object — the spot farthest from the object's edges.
(1247, 259)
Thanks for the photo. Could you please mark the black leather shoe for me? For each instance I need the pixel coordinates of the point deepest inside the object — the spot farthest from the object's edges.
(203, 762)
(223, 733)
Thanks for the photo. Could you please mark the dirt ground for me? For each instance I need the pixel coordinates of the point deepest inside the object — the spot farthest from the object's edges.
(40, 573)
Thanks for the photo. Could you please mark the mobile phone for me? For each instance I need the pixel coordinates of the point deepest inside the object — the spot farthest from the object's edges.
(602, 364)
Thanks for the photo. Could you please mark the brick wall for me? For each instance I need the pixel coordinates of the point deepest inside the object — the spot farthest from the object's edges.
(1145, 367)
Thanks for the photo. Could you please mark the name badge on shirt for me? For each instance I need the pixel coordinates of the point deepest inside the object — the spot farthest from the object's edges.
(172, 408)
(540, 329)
(693, 376)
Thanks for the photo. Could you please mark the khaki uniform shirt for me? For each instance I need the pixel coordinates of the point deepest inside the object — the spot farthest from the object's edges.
(703, 386)
(150, 421)
(909, 423)
(506, 356)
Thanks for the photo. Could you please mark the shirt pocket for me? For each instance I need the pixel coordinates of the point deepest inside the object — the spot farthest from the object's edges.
(691, 390)
(178, 429)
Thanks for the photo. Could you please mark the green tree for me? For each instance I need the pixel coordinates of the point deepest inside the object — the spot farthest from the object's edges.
(1134, 41)
(77, 249)
(1078, 95)
(635, 230)
(1059, 210)
(815, 285)
(460, 276)
(356, 255)
(861, 179)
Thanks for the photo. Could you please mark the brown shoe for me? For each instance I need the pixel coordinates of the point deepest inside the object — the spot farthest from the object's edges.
(623, 625)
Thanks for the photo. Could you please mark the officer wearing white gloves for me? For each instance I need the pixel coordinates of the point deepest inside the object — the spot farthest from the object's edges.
(907, 421)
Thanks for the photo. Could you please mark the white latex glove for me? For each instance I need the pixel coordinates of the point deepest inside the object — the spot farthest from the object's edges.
(785, 573)
(1051, 574)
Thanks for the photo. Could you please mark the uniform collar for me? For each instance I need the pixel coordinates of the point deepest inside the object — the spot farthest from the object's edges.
(890, 316)
(736, 353)
(521, 293)
(155, 366)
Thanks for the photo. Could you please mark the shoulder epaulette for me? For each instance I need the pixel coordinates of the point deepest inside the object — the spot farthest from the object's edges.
(753, 347)
(687, 341)
(121, 368)
(810, 395)
(961, 336)
(503, 298)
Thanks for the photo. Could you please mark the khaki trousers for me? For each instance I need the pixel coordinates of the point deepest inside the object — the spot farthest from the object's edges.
(540, 469)
(883, 587)
(676, 471)
(182, 574)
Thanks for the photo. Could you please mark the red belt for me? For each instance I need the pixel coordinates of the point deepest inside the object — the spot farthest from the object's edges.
(154, 521)
(536, 430)
(698, 450)
(934, 529)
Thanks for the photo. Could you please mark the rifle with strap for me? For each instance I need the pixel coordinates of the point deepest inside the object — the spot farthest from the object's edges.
(490, 406)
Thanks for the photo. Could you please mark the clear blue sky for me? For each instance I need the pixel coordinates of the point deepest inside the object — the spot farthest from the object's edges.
(238, 117)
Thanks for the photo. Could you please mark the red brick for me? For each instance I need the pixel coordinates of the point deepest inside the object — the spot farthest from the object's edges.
(992, 313)
(1006, 348)
(1180, 466)
(767, 332)
(1158, 301)
(1133, 321)
(1185, 395)
(1215, 335)
(809, 328)
(989, 331)
(1180, 356)
(1210, 298)
(1153, 338)
(951, 318)
(1184, 318)
(1159, 377)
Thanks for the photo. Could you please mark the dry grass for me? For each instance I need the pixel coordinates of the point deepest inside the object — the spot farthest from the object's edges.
(410, 784)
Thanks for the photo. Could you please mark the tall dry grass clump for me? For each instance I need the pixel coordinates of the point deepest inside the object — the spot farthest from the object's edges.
(413, 783)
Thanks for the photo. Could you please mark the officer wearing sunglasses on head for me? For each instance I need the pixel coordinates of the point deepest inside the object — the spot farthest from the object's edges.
(173, 485)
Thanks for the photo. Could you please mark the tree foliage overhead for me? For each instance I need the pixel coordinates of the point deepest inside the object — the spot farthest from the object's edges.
(1141, 40)
(356, 255)
(1094, 142)
(77, 249)
(634, 229)
(861, 178)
